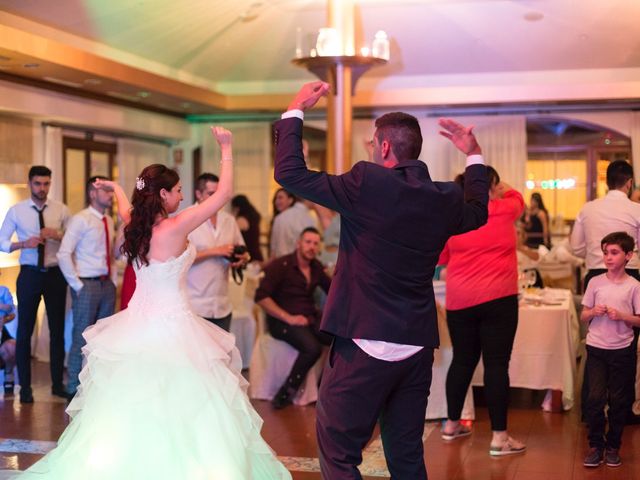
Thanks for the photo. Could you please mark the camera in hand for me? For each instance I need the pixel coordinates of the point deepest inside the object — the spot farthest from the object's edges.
(236, 256)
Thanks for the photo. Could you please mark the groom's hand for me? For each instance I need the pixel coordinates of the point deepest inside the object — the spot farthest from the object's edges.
(309, 95)
(462, 137)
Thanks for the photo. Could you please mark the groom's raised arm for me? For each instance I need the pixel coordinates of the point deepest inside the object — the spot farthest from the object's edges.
(337, 192)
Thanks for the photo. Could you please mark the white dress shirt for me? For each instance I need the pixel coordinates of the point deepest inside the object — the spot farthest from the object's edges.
(388, 351)
(612, 213)
(83, 251)
(287, 227)
(208, 279)
(22, 218)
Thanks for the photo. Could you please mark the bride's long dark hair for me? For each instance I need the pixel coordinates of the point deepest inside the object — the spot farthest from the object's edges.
(146, 205)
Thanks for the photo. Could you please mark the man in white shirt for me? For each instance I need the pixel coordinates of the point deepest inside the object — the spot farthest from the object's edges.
(39, 223)
(86, 260)
(614, 212)
(287, 227)
(208, 277)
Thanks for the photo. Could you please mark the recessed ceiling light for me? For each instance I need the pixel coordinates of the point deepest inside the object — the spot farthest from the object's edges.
(31, 65)
(60, 81)
(533, 16)
(93, 81)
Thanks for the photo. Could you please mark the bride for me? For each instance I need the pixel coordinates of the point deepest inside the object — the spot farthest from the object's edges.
(161, 395)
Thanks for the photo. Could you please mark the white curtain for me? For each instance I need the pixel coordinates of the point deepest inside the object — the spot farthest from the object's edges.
(52, 158)
(134, 155)
(504, 146)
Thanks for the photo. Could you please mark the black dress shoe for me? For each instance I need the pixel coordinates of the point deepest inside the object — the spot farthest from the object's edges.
(59, 391)
(26, 395)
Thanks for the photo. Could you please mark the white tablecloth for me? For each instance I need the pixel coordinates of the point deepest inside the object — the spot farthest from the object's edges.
(543, 357)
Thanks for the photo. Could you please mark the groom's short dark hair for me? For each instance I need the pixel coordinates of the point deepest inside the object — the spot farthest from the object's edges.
(402, 131)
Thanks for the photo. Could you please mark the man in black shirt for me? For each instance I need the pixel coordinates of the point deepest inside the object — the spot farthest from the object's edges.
(286, 295)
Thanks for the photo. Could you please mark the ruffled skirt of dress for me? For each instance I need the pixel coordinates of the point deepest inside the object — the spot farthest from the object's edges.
(161, 398)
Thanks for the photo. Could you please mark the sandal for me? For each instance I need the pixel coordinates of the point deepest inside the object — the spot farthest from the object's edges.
(460, 431)
(510, 447)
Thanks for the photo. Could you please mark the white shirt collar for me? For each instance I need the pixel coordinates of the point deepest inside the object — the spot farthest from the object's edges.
(617, 193)
(33, 204)
(95, 212)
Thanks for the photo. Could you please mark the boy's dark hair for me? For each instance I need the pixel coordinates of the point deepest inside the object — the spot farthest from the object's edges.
(622, 239)
(403, 132)
(618, 173)
(201, 181)
(39, 171)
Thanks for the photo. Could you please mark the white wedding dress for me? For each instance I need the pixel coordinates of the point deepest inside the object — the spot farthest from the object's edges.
(161, 396)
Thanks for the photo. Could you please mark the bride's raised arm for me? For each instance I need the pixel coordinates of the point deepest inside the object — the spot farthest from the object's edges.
(191, 218)
(124, 205)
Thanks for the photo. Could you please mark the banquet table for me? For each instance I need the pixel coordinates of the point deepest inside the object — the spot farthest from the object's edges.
(543, 356)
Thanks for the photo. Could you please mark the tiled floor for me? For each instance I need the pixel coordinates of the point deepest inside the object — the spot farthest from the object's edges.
(556, 442)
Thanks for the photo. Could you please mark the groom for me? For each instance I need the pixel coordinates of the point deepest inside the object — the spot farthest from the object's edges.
(394, 222)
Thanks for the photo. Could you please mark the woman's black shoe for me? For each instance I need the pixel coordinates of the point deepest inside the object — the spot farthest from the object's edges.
(8, 388)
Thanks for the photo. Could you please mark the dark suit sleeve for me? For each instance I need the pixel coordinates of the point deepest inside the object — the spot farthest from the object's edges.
(474, 212)
(337, 192)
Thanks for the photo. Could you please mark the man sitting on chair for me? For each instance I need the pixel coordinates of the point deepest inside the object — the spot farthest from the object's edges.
(286, 295)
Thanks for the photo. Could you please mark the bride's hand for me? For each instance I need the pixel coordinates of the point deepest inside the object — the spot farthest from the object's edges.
(223, 136)
(104, 184)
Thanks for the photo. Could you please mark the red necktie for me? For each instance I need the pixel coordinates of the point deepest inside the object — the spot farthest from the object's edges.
(106, 244)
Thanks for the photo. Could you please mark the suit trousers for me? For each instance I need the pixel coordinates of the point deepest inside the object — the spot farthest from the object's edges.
(96, 300)
(356, 391)
(32, 285)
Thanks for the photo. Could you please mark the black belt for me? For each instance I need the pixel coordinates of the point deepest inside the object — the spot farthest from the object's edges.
(101, 278)
(39, 269)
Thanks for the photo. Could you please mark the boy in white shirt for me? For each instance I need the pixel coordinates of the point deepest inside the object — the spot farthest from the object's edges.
(612, 308)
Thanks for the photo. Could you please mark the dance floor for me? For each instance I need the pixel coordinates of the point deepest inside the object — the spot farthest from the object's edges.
(556, 442)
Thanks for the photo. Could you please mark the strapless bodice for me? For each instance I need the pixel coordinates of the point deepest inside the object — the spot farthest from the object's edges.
(161, 286)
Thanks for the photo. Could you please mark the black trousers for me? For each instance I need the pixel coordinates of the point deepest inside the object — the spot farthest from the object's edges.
(610, 383)
(357, 390)
(32, 285)
(308, 340)
(488, 329)
(222, 322)
(584, 393)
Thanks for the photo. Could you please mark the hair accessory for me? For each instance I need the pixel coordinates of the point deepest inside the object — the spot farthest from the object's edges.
(139, 183)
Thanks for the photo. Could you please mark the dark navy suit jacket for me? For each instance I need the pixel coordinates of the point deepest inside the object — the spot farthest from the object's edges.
(394, 223)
